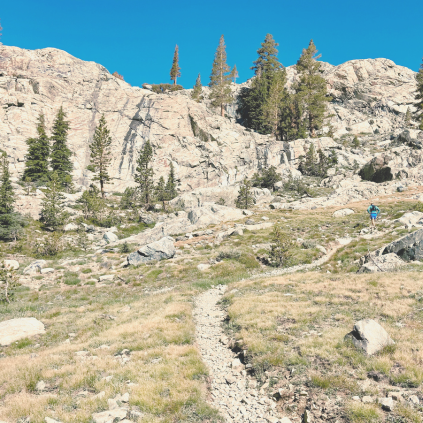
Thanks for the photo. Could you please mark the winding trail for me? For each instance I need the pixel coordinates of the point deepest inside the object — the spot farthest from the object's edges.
(232, 390)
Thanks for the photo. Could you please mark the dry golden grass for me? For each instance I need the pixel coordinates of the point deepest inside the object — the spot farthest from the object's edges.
(165, 367)
(311, 321)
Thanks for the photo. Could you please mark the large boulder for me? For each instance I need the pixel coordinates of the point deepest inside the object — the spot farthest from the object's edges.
(35, 267)
(406, 138)
(16, 329)
(369, 336)
(408, 248)
(385, 263)
(11, 264)
(411, 219)
(110, 237)
(159, 250)
(212, 214)
(343, 212)
(377, 170)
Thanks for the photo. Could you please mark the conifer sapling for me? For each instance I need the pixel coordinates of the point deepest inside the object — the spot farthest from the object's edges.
(101, 153)
(144, 173)
(175, 70)
(197, 90)
(245, 198)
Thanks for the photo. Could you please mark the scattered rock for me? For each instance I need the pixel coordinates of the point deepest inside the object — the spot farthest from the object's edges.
(16, 329)
(106, 278)
(159, 250)
(49, 420)
(40, 386)
(35, 267)
(202, 267)
(414, 399)
(110, 237)
(369, 336)
(11, 264)
(110, 416)
(343, 212)
(367, 400)
(70, 227)
(385, 263)
(47, 270)
(387, 404)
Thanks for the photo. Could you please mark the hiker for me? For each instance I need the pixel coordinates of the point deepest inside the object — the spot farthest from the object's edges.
(373, 212)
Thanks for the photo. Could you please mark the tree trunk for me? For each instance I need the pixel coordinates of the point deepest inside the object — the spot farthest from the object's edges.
(101, 188)
(222, 110)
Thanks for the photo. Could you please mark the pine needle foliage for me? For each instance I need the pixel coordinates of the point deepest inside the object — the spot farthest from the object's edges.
(60, 153)
(160, 192)
(266, 178)
(245, 198)
(280, 248)
(171, 183)
(197, 90)
(101, 155)
(262, 106)
(52, 213)
(175, 70)
(220, 79)
(11, 222)
(7, 196)
(234, 74)
(419, 97)
(311, 89)
(37, 157)
(8, 284)
(144, 174)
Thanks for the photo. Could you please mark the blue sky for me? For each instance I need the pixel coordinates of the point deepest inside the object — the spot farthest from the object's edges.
(137, 38)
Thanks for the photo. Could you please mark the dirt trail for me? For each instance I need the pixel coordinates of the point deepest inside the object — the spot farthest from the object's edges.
(232, 390)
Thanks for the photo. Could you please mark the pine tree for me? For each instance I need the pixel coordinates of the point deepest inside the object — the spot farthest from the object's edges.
(60, 153)
(267, 61)
(245, 197)
(309, 163)
(160, 191)
(197, 90)
(419, 97)
(292, 125)
(144, 174)
(11, 222)
(36, 159)
(220, 79)
(175, 70)
(234, 74)
(281, 247)
(101, 154)
(407, 118)
(7, 196)
(171, 183)
(311, 89)
(356, 142)
(261, 107)
(8, 284)
(272, 108)
(52, 214)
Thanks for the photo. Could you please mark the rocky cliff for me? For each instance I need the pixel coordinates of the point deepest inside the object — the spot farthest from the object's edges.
(206, 149)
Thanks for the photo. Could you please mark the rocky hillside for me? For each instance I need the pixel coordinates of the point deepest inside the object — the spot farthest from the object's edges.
(369, 96)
